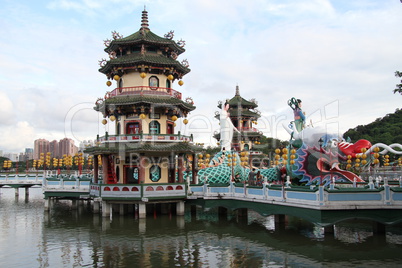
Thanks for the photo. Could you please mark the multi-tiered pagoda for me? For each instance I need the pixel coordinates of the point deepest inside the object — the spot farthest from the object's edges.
(244, 116)
(146, 160)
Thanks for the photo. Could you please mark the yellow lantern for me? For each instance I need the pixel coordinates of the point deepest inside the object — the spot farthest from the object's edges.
(104, 121)
(181, 82)
(142, 116)
(200, 156)
(293, 151)
(364, 162)
(116, 77)
(108, 83)
(143, 75)
(174, 118)
(285, 150)
(112, 118)
(185, 121)
(292, 162)
(277, 151)
(170, 77)
(376, 149)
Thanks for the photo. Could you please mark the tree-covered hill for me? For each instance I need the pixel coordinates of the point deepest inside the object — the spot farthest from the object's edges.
(386, 130)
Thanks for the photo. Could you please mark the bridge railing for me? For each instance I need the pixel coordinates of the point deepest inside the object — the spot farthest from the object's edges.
(370, 196)
(77, 184)
(10, 179)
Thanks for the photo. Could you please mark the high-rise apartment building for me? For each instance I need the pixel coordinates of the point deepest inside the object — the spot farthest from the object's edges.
(40, 146)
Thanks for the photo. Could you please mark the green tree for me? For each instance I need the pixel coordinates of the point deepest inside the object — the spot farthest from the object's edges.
(398, 86)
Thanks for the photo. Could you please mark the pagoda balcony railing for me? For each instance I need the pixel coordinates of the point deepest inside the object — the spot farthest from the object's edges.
(144, 90)
(145, 137)
(142, 192)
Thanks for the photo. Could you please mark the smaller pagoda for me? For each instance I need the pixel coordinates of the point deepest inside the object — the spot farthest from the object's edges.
(244, 116)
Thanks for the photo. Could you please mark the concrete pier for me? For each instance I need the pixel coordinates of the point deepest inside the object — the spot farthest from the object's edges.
(180, 208)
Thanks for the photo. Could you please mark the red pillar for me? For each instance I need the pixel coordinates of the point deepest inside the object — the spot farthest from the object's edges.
(96, 169)
(194, 168)
(180, 168)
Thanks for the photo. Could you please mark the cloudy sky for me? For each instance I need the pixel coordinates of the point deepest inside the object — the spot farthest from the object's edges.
(338, 56)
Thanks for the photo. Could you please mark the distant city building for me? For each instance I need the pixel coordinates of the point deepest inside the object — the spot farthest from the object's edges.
(40, 146)
(12, 156)
(54, 149)
(67, 147)
(29, 152)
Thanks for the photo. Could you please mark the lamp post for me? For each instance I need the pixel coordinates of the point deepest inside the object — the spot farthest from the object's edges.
(320, 142)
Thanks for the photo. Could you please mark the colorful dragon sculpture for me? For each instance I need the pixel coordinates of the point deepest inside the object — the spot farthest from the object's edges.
(318, 159)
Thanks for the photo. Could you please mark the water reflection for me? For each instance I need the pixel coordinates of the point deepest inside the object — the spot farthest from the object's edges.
(66, 237)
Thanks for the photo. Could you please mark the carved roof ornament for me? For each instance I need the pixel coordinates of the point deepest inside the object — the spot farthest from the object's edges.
(112, 55)
(107, 42)
(185, 63)
(181, 43)
(116, 35)
(102, 62)
(169, 35)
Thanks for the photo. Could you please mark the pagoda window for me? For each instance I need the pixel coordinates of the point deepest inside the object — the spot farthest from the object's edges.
(131, 174)
(133, 128)
(154, 127)
(168, 83)
(246, 147)
(153, 82)
(155, 173)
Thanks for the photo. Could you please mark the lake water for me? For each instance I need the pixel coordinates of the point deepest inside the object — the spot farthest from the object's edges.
(31, 237)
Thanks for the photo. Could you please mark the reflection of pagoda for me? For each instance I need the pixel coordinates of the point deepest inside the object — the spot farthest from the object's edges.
(143, 109)
(243, 114)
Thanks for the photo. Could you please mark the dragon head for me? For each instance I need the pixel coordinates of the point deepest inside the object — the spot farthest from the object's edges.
(319, 166)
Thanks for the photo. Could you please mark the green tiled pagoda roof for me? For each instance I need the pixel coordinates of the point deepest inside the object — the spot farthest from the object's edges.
(148, 38)
(148, 99)
(139, 147)
(243, 112)
(239, 101)
(139, 59)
